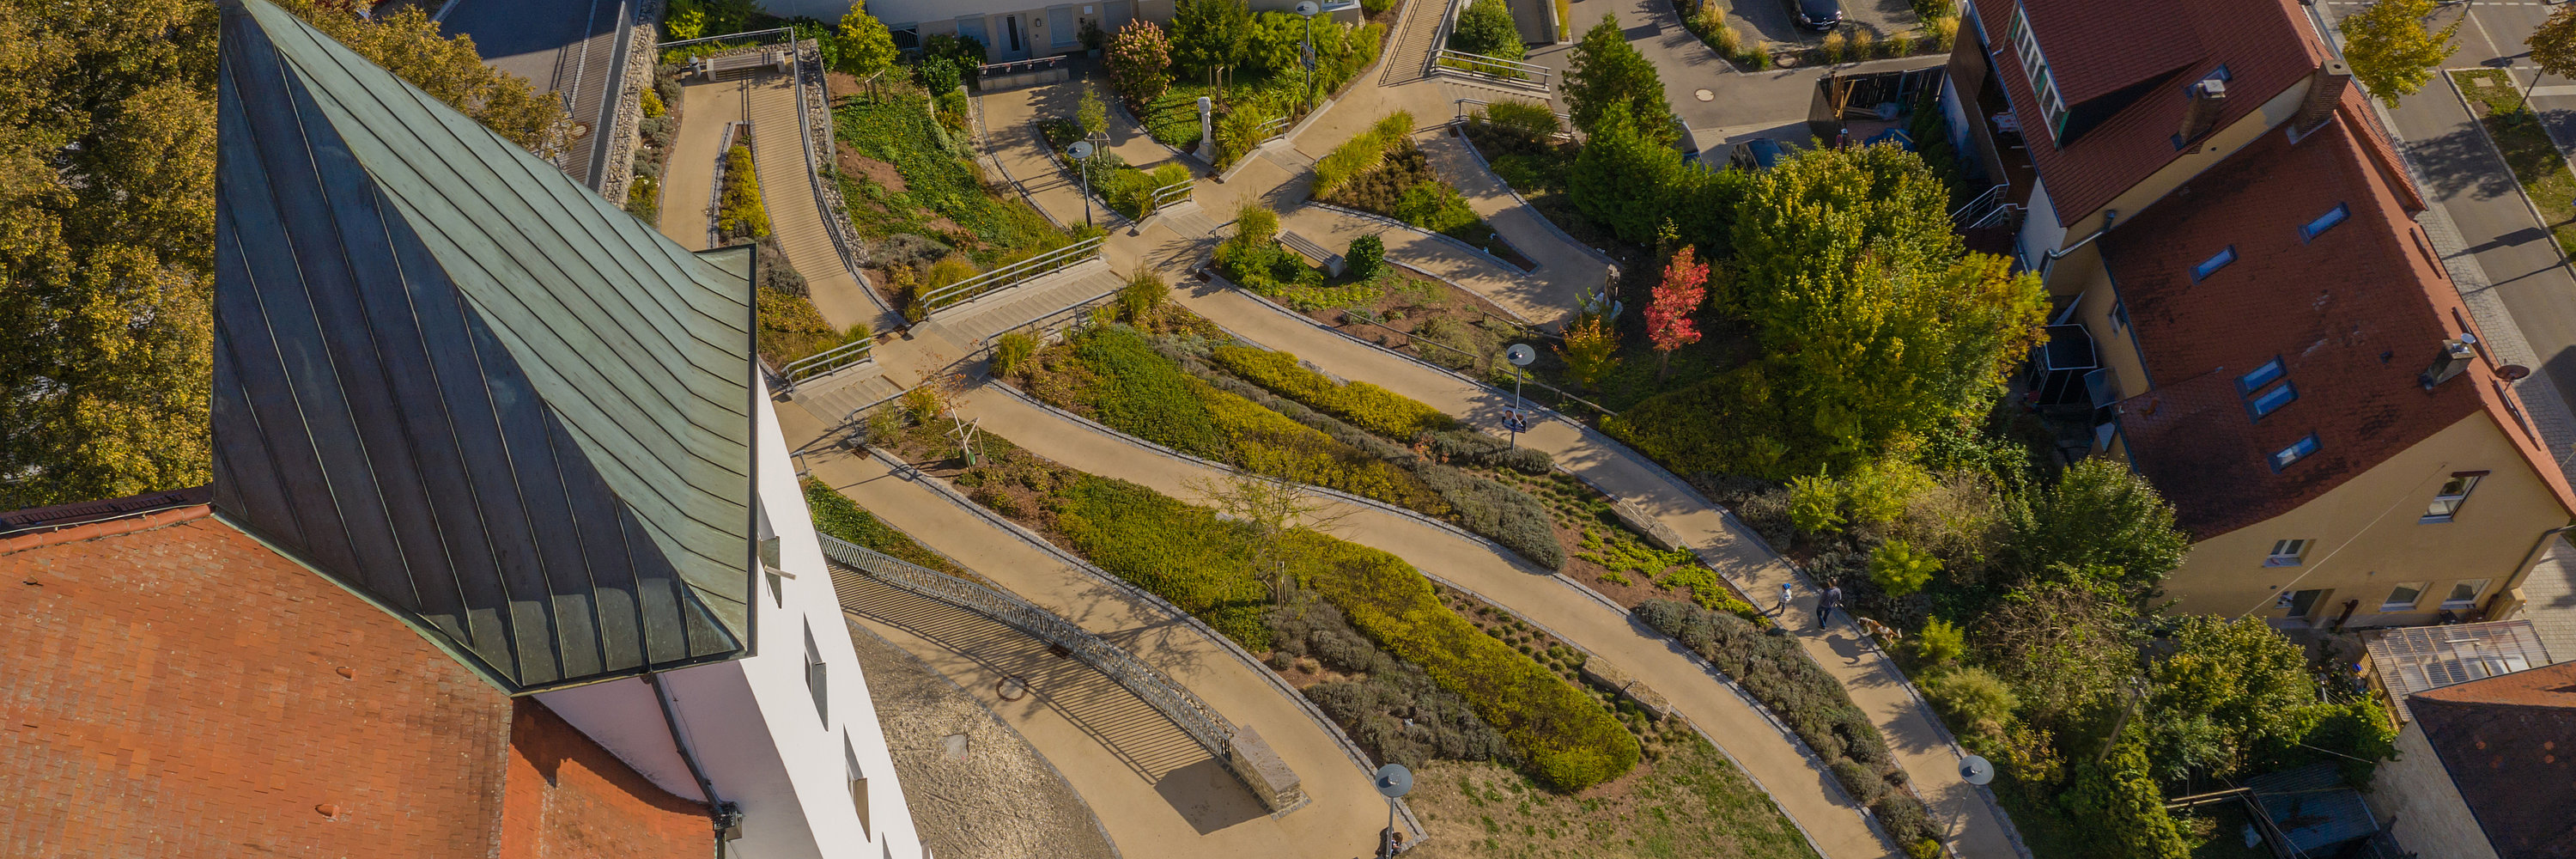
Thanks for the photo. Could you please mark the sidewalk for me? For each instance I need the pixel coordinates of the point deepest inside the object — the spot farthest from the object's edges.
(1145, 810)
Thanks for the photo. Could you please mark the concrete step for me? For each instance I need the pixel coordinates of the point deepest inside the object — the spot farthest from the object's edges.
(967, 325)
(832, 398)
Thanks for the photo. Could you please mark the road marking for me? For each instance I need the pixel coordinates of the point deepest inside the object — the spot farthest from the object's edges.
(2553, 89)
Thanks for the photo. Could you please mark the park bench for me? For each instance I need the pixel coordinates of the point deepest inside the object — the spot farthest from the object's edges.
(775, 58)
(1332, 262)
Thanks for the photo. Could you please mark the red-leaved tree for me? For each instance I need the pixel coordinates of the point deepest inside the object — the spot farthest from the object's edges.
(1668, 322)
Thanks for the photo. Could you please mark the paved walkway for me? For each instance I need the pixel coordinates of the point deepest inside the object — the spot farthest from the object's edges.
(1804, 792)
(1154, 798)
(768, 102)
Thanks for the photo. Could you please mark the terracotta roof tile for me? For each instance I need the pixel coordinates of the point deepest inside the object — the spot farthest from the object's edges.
(2145, 52)
(2354, 315)
(2509, 743)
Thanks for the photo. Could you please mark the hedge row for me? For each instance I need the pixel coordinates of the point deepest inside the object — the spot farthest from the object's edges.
(1779, 674)
(1373, 408)
(1569, 741)
(1137, 391)
(837, 515)
(1361, 154)
(1487, 507)
(739, 214)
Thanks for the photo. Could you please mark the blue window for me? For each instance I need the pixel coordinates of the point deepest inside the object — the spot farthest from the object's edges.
(2298, 450)
(2324, 222)
(2213, 264)
(2264, 403)
(2217, 74)
(2263, 375)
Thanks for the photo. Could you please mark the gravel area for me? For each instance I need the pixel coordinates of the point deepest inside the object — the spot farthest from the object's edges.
(999, 799)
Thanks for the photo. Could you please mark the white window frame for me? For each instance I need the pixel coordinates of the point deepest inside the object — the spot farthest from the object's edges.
(2288, 553)
(2447, 501)
(2052, 104)
(2477, 588)
(2391, 603)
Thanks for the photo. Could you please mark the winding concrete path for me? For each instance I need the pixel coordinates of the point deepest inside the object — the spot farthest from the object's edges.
(1155, 796)
(1565, 271)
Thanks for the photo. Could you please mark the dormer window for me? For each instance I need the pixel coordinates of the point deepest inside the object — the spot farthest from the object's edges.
(2052, 106)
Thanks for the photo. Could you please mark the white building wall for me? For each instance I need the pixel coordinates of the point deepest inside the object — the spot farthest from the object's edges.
(753, 721)
(2039, 230)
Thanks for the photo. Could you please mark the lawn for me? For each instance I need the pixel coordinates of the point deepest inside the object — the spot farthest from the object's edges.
(1687, 800)
(2535, 160)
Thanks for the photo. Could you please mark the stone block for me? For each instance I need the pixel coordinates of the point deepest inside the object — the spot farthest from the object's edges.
(1261, 769)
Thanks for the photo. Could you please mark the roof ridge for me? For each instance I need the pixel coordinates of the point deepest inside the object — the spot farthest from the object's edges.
(142, 521)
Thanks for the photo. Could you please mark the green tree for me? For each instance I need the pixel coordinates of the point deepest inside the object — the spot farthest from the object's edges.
(1590, 350)
(867, 47)
(2390, 48)
(1623, 174)
(2553, 46)
(107, 156)
(2245, 684)
(1210, 34)
(1608, 71)
(1900, 570)
(1486, 28)
(1871, 321)
(1139, 61)
(2101, 525)
(1092, 112)
(2122, 810)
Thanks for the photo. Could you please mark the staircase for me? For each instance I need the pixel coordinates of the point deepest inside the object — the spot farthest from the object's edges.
(964, 327)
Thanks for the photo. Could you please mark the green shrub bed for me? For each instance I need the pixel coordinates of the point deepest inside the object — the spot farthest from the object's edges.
(941, 203)
(1815, 706)
(837, 515)
(1114, 376)
(739, 213)
(1361, 154)
(1204, 564)
(1372, 408)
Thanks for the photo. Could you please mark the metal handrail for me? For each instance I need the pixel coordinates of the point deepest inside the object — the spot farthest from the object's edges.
(1566, 120)
(1172, 193)
(1202, 722)
(745, 35)
(1976, 206)
(1481, 64)
(827, 361)
(1054, 324)
(1013, 274)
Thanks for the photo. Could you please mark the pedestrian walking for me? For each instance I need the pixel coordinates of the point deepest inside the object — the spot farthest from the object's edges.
(1785, 595)
(1825, 605)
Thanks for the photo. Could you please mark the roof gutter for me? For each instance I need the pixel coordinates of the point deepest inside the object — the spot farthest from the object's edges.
(2523, 570)
(2109, 218)
(723, 814)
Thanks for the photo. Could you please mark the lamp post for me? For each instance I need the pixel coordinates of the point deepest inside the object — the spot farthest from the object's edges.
(1520, 354)
(1307, 9)
(1081, 152)
(1393, 781)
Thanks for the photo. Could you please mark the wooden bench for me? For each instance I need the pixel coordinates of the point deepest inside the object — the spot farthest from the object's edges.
(1331, 262)
(775, 58)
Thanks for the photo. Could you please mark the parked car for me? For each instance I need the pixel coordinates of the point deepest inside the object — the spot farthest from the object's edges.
(1759, 153)
(1817, 15)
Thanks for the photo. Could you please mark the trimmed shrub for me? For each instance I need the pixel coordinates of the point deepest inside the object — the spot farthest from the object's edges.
(1140, 393)
(1570, 742)
(1144, 292)
(1372, 408)
(1486, 28)
(1361, 154)
(837, 515)
(1181, 552)
(1899, 570)
(1940, 642)
(1012, 350)
(1366, 256)
(739, 214)
(1139, 60)
(1972, 698)
(1777, 671)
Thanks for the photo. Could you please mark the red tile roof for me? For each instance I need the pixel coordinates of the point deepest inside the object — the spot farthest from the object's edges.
(175, 688)
(2509, 743)
(2354, 316)
(2146, 52)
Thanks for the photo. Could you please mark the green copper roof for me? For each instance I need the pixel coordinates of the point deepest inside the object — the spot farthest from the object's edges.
(449, 375)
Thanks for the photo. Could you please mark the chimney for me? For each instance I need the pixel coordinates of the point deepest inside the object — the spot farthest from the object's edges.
(2208, 97)
(2325, 93)
(2451, 361)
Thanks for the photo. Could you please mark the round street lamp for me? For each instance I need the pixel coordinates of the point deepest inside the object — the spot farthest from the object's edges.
(1081, 152)
(1392, 781)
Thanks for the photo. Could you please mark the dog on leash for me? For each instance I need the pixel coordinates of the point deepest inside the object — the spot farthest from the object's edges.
(1877, 630)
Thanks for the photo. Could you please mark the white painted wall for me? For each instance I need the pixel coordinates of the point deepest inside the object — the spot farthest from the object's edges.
(753, 722)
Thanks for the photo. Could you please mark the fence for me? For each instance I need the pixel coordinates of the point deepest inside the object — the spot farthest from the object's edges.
(1014, 273)
(1194, 716)
(1513, 73)
(814, 101)
(826, 361)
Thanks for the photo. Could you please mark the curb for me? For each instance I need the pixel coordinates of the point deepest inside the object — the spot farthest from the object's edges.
(1392, 223)
(906, 471)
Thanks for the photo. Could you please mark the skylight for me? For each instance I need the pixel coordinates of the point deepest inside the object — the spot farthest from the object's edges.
(2213, 264)
(2298, 450)
(2324, 222)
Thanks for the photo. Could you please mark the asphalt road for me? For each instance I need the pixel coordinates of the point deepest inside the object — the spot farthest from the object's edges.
(2462, 173)
(570, 47)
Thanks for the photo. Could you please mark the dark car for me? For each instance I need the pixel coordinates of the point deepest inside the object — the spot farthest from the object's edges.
(1757, 154)
(1818, 15)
